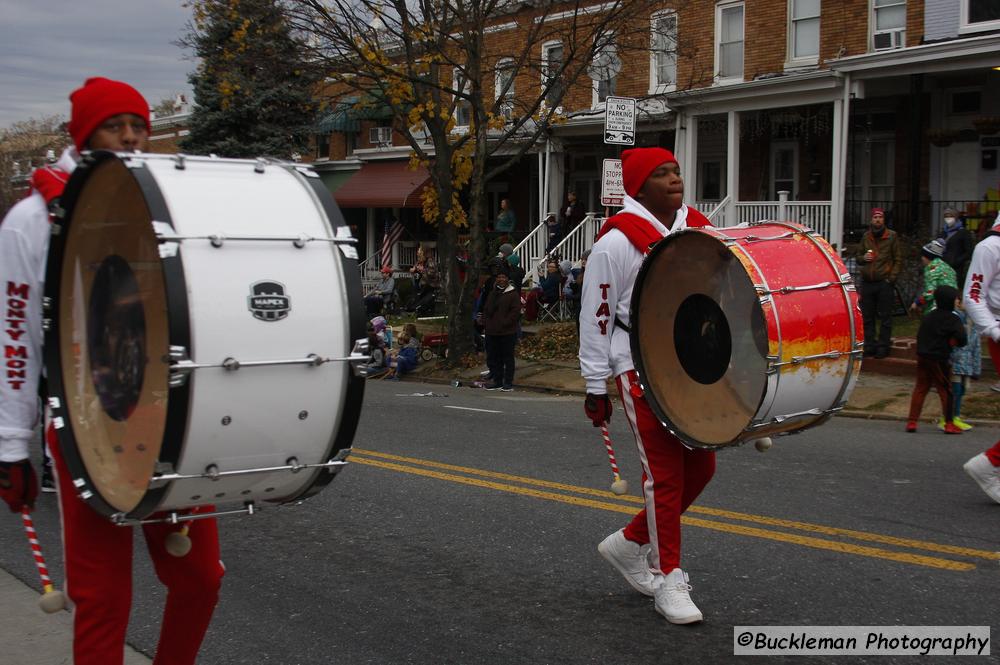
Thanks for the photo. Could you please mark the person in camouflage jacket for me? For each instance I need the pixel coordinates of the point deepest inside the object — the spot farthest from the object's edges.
(936, 273)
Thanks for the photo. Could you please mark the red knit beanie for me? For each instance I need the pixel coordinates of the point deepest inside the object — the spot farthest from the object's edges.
(98, 100)
(638, 163)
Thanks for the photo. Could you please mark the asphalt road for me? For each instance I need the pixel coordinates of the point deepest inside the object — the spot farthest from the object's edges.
(465, 531)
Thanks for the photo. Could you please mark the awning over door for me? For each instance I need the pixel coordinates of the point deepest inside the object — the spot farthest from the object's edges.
(383, 185)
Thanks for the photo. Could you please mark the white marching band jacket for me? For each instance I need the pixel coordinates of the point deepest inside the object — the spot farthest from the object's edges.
(981, 295)
(612, 267)
(24, 243)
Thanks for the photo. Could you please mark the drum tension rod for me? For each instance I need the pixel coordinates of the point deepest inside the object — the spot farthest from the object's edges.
(797, 360)
(181, 365)
(165, 234)
(212, 471)
(173, 517)
(762, 290)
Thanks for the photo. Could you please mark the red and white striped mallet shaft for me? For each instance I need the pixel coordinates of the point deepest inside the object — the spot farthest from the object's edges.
(52, 600)
(619, 486)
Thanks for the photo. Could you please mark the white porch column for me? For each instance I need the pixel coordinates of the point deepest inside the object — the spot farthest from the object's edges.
(555, 175)
(838, 164)
(732, 166)
(686, 152)
(374, 237)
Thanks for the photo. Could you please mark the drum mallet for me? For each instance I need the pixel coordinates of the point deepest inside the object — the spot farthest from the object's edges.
(178, 543)
(52, 600)
(619, 486)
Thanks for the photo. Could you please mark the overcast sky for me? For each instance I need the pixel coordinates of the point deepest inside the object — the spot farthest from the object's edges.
(49, 47)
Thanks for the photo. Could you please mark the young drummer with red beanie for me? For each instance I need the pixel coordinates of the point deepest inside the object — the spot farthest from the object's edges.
(648, 550)
(106, 115)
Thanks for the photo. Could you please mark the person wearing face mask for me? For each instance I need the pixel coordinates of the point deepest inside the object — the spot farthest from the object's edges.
(881, 260)
(957, 243)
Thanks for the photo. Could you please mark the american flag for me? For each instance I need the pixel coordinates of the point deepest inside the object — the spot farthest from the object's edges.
(393, 231)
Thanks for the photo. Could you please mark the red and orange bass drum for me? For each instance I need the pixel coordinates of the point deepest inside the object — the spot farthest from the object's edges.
(745, 332)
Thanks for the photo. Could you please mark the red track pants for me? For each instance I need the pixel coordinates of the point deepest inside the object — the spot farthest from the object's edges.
(98, 559)
(673, 476)
(993, 454)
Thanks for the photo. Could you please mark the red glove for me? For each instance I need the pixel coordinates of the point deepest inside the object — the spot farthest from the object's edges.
(18, 484)
(598, 408)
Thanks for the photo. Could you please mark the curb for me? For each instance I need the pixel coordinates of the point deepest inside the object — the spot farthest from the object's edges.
(849, 413)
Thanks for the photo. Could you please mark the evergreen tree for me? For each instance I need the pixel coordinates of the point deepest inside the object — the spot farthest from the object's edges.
(253, 90)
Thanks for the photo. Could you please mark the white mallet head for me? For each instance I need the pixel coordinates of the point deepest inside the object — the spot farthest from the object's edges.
(763, 445)
(52, 601)
(177, 544)
(620, 486)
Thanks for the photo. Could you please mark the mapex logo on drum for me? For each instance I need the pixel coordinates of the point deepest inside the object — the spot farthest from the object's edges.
(267, 301)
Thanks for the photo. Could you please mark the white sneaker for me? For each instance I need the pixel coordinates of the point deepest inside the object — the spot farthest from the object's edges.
(983, 472)
(995, 387)
(673, 598)
(630, 559)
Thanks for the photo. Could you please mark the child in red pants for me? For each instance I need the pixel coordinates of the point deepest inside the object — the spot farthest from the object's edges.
(939, 332)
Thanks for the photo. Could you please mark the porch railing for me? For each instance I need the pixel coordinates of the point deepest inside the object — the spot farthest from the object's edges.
(532, 248)
(922, 219)
(813, 214)
(577, 241)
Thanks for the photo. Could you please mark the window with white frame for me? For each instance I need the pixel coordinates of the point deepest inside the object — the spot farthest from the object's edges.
(463, 108)
(604, 72)
(803, 30)
(663, 51)
(729, 41)
(552, 60)
(980, 15)
(888, 23)
(504, 87)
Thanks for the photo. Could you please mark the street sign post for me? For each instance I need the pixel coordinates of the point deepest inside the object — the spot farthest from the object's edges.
(619, 121)
(612, 185)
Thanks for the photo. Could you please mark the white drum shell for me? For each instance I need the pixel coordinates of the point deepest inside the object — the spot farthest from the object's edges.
(255, 417)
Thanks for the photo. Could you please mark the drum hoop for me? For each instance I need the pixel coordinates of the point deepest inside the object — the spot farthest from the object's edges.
(355, 391)
(179, 333)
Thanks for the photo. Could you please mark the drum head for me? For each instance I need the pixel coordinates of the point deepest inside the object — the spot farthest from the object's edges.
(699, 339)
(113, 335)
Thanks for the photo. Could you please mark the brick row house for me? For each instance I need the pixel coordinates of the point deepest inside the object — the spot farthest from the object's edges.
(808, 110)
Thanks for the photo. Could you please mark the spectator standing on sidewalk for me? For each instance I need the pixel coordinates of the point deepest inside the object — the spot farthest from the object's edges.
(982, 303)
(939, 332)
(500, 316)
(881, 260)
(936, 273)
(957, 243)
(647, 552)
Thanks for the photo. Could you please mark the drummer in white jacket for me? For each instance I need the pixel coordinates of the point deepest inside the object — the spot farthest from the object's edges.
(106, 115)
(647, 551)
(981, 297)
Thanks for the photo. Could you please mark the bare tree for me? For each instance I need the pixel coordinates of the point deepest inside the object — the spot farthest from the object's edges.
(23, 146)
(430, 61)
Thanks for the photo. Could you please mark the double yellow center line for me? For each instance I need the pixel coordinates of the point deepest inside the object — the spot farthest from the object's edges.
(577, 496)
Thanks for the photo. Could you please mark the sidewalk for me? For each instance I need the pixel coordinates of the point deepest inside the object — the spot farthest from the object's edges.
(31, 637)
(882, 391)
